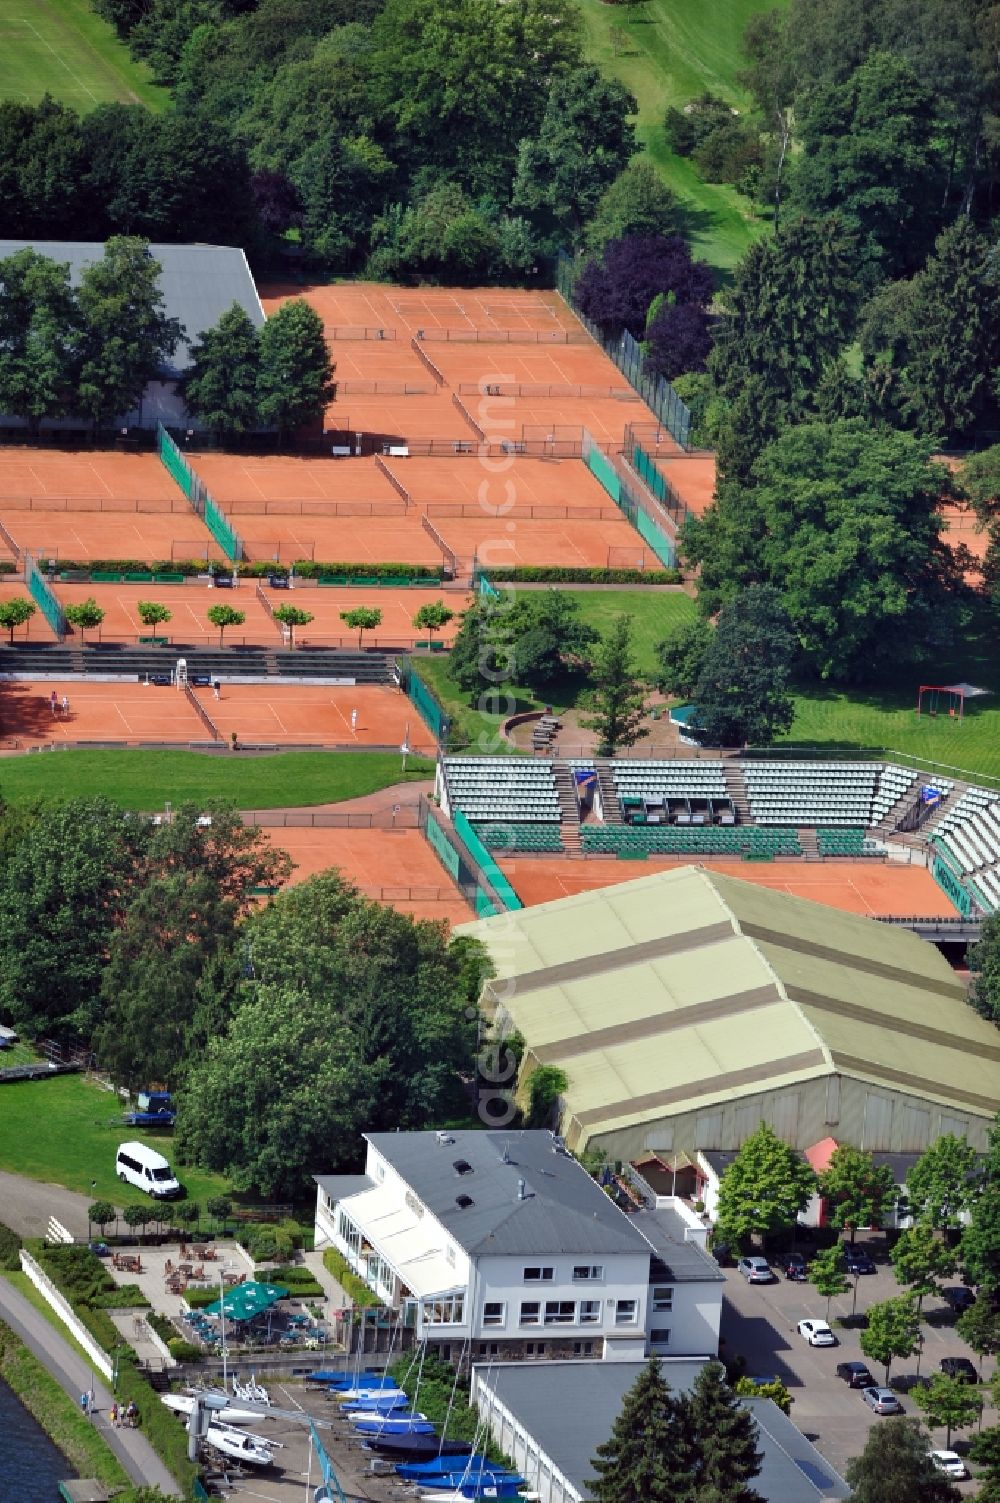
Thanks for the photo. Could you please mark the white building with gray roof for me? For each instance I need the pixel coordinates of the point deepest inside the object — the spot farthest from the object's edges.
(198, 282)
(500, 1245)
(551, 1419)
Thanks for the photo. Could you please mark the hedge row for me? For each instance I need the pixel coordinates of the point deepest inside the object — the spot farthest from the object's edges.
(557, 574)
(356, 1289)
(10, 1247)
(305, 568)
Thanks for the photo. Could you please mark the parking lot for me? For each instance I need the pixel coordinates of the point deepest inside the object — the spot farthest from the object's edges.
(759, 1323)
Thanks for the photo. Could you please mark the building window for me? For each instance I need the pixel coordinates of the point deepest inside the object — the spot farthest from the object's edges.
(380, 1172)
(588, 1271)
(560, 1312)
(590, 1312)
(489, 1349)
(660, 1336)
(534, 1348)
(531, 1313)
(538, 1275)
(663, 1300)
(440, 1349)
(449, 1311)
(626, 1311)
(495, 1313)
(583, 1349)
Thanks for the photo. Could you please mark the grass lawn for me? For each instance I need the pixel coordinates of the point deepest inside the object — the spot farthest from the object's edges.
(675, 50)
(60, 47)
(58, 1131)
(23, 1285)
(145, 779)
(653, 612)
(854, 720)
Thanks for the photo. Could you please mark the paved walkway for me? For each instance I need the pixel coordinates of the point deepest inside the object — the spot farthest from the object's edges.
(28, 1204)
(73, 1374)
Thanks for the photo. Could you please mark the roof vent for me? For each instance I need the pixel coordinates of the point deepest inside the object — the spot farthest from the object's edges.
(521, 1190)
(444, 1137)
(464, 1201)
(462, 1166)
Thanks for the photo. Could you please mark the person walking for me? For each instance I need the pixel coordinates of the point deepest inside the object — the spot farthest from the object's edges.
(65, 706)
(114, 1415)
(53, 703)
(354, 720)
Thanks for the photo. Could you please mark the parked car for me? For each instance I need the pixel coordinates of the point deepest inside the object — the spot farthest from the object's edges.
(723, 1254)
(817, 1333)
(794, 1267)
(959, 1297)
(949, 1462)
(960, 1367)
(855, 1375)
(757, 1271)
(856, 1260)
(882, 1400)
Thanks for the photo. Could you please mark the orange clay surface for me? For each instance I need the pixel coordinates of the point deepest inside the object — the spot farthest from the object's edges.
(483, 365)
(692, 476)
(400, 418)
(60, 473)
(500, 487)
(496, 543)
(868, 887)
(407, 309)
(241, 483)
(396, 867)
(82, 535)
(282, 715)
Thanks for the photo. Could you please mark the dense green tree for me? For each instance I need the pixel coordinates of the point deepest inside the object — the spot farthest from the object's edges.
(362, 618)
(680, 656)
(921, 1259)
(50, 170)
(220, 386)
(531, 638)
(584, 141)
(619, 694)
(765, 1187)
(827, 1275)
(15, 612)
(101, 1214)
(545, 1085)
(979, 1327)
(291, 616)
(463, 81)
(771, 76)
(224, 616)
(433, 616)
(358, 1018)
(295, 382)
(66, 883)
(126, 336)
(789, 311)
(981, 1242)
(39, 324)
(892, 1331)
(152, 613)
(857, 1191)
(980, 483)
(160, 33)
(869, 156)
(894, 1467)
(342, 183)
(84, 615)
(942, 1183)
(845, 522)
(652, 1451)
(949, 1403)
(726, 1438)
(637, 202)
(742, 688)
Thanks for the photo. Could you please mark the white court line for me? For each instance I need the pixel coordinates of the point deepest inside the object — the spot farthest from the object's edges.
(59, 58)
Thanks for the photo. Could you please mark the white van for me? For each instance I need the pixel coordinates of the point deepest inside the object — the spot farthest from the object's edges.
(147, 1170)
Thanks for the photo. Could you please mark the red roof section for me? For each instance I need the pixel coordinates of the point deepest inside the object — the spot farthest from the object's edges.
(820, 1154)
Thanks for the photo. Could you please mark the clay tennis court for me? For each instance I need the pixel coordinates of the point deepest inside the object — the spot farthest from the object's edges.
(501, 487)
(497, 543)
(605, 418)
(395, 867)
(189, 604)
(961, 533)
(61, 473)
(869, 887)
(252, 483)
(292, 714)
(278, 714)
(398, 539)
(403, 418)
(357, 306)
(470, 368)
(83, 534)
(35, 630)
(398, 609)
(691, 476)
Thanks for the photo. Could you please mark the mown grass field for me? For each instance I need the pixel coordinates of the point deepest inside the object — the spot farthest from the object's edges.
(60, 47)
(60, 1131)
(144, 780)
(853, 721)
(676, 49)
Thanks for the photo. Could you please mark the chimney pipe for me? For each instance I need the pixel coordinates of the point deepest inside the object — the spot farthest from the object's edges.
(520, 1189)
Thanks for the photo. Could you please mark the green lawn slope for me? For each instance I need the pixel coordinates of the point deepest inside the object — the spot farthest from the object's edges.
(144, 780)
(60, 47)
(675, 50)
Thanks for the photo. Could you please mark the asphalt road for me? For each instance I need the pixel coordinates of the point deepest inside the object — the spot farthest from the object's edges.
(759, 1321)
(27, 1204)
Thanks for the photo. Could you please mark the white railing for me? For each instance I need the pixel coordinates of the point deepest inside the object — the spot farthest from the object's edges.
(58, 1302)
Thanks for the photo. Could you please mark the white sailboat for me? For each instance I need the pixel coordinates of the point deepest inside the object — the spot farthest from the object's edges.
(248, 1449)
(183, 1403)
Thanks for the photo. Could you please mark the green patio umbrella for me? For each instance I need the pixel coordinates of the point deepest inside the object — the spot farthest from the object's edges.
(247, 1300)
